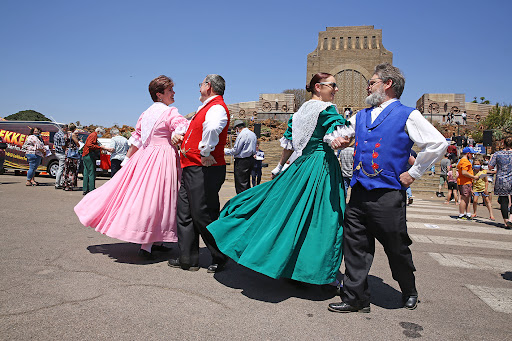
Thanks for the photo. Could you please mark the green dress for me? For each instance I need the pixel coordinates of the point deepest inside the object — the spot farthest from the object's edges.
(291, 227)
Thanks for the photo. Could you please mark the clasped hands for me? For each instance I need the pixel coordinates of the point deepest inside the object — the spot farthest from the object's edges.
(176, 139)
(340, 142)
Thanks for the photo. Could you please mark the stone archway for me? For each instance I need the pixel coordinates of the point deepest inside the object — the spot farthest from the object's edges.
(352, 82)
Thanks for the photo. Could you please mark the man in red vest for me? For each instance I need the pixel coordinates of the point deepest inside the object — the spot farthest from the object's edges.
(204, 172)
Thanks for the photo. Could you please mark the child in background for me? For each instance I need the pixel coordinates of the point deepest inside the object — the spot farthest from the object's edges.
(433, 170)
(480, 188)
(452, 184)
(258, 163)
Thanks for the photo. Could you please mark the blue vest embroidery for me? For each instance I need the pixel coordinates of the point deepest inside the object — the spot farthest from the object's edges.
(382, 148)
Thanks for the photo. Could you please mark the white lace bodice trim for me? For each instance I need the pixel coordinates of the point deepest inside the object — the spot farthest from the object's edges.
(304, 123)
(151, 116)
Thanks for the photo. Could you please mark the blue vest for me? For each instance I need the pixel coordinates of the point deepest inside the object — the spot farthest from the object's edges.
(382, 148)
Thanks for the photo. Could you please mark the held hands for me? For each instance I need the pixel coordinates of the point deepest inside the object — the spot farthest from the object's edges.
(340, 142)
(276, 171)
(207, 161)
(406, 179)
(176, 139)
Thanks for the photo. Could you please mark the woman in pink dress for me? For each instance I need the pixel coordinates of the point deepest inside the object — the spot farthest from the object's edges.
(138, 204)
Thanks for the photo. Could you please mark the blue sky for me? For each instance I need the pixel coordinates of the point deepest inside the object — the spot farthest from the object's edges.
(93, 60)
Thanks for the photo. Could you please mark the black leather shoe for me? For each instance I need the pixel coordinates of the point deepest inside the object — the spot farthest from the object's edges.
(410, 302)
(343, 307)
(216, 267)
(160, 248)
(175, 263)
(146, 255)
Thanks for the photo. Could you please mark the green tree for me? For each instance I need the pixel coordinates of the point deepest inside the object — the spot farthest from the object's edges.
(27, 115)
(499, 120)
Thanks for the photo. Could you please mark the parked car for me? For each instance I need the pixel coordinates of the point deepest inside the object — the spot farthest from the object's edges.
(14, 134)
(3, 146)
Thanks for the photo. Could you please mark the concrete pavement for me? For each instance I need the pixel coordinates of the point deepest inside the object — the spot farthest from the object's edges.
(61, 281)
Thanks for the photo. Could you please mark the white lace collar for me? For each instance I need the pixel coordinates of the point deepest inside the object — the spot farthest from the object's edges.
(304, 123)
(151, 115)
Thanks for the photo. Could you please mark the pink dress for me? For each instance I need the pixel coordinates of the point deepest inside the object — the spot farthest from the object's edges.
(138, 204)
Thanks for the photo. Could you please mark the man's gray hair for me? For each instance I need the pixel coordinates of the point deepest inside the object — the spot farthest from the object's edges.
(114, 131)
(217, 82)
(100, 130)
(386, 71)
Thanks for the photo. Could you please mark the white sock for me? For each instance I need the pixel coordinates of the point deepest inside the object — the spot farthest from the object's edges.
(461, 215)
(146, 247)
(468, 214)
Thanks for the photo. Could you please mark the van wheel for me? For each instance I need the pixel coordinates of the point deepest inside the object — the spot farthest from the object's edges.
(52, 168)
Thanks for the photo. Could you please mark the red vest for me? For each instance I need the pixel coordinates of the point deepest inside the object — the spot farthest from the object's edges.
(189, 148)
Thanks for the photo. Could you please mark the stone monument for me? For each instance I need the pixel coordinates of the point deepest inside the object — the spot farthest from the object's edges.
(350, 53)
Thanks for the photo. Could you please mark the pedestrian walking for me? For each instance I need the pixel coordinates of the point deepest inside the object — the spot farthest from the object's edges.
(243, 151)
(502, 161)
(480, 188)
(465, 182)
(120, 146)
(59, 144)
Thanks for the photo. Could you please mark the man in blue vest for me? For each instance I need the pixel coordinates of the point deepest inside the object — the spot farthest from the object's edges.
(384, 136)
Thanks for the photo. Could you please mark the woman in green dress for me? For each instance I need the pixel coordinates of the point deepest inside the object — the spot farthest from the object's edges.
(291, 227)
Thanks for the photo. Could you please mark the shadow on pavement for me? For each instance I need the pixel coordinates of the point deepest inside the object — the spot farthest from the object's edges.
(507, 275)
(128, 253)
(262, 288)
(383, 295)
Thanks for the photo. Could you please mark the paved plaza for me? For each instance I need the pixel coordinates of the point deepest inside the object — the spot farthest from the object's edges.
(63, 281)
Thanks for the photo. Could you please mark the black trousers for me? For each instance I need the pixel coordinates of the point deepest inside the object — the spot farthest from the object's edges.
(503, 201)
(243, 167)
(376, 214)
(115, 165)
(198, 205)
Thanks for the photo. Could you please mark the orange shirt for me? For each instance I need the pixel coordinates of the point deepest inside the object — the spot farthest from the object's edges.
(464, 164)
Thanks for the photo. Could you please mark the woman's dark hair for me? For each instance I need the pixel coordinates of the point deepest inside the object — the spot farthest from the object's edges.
(158, 85)
(34, 128)
(319, 77)
(508, 142)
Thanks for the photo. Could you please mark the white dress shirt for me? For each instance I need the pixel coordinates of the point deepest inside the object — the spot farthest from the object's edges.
(245, 145)
(431, 142)
(214, 122)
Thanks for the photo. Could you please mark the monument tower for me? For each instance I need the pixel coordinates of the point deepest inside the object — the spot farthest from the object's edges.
(350, 53)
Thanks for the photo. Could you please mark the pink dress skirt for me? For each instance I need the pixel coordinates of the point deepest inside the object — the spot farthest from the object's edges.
(138, 204)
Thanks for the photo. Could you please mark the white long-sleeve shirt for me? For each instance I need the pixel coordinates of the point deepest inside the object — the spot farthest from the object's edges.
(215, 120)
(245, 145)
(431, 142)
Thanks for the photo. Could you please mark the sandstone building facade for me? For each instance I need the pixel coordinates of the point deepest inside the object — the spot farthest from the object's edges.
(436, 107)
(350, 53)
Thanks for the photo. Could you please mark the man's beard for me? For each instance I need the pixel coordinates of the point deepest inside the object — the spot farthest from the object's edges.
(376, 98)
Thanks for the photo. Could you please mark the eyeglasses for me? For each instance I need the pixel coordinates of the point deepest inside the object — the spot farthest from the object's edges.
(201, 84)
(372, 82)
(330, 84)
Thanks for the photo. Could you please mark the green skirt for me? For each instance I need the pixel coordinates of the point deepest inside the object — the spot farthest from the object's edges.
(290, 227)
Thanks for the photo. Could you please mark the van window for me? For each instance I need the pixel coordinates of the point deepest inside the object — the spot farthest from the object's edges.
(52, 134)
